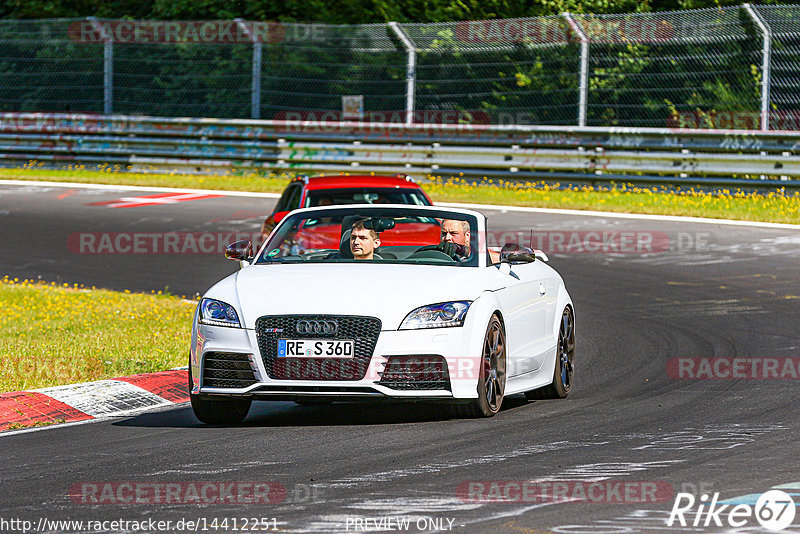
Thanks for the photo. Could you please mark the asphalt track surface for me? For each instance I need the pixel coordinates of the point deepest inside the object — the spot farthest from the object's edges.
(731, 292)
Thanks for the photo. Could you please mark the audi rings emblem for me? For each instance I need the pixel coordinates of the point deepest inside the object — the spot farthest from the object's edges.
(317, 327)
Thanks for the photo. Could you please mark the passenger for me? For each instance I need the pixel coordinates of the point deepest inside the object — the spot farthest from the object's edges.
(363, 242)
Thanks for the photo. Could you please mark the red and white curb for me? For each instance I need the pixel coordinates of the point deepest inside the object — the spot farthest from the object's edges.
(92, 400)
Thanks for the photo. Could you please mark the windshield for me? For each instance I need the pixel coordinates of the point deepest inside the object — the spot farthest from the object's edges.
(365, 195)
(374, 235)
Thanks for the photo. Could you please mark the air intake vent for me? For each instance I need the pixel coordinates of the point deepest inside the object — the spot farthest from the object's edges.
(227, 370)
(418, 372)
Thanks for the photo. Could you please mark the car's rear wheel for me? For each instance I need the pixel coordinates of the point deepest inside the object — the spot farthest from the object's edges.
(221, 411)
(492, 374)
(564, 372)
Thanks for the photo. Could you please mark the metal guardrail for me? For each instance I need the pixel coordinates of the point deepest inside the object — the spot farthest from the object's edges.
(579, 154)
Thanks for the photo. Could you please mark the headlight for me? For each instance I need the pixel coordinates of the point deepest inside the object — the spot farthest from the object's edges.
(436, 316)
(218, 313)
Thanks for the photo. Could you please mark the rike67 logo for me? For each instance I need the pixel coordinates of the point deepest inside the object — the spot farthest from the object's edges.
(774, 510)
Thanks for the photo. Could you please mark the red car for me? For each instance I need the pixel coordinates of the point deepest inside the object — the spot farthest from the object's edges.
(305, 192)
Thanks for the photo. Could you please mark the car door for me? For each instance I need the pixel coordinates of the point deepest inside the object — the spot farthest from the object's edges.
(525, 297)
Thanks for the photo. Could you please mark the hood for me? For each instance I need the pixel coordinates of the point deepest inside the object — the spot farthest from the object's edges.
(388, 292)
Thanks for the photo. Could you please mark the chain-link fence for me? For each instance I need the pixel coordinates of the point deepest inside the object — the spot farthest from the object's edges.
(727, 68)
(645, 69)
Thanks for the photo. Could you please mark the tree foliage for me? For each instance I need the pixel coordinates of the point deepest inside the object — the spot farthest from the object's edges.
(337, 11)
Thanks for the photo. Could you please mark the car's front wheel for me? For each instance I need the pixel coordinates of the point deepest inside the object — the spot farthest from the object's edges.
(221, 411)
(492, 374)
(564, 372)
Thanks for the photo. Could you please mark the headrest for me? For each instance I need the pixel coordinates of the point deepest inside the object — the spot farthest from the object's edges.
(344, 245)
(344, 242)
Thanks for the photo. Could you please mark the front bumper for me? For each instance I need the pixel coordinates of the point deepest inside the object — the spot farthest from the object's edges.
(453, 347)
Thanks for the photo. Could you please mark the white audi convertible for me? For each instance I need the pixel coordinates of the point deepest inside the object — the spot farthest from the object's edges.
(381, 302)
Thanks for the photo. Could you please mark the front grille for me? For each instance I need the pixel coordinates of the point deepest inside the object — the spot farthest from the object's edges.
(227, 370)
(428, 371)
(363, 330)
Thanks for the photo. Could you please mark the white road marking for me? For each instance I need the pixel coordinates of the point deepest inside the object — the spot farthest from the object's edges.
(604, 471)
(205, 469)
(612, 214)
(416, 505)
(108, 187)
(394, 474)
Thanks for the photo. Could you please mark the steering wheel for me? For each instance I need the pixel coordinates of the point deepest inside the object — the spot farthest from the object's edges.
(450, 249)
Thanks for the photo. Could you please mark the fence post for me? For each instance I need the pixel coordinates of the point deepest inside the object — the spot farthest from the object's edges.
(766, 63)
(108, 65)
(411, 70)
(583, 84)
(255, 87)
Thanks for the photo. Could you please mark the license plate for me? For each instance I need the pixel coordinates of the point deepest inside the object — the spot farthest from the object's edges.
(316, 348)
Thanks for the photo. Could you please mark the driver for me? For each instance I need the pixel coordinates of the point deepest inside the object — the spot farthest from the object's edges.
(363, 242)
(457, 232)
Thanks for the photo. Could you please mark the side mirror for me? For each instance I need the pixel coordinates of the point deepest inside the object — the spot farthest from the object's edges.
(514, 253)
(278, 216)
(240, 251)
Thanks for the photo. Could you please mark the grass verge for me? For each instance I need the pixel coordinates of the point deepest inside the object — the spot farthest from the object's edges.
(626, 198)
(734, 204)
(52, 335)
